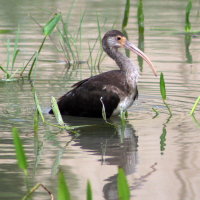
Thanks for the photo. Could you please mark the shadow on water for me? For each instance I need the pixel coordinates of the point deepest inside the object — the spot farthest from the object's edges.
(104, 140)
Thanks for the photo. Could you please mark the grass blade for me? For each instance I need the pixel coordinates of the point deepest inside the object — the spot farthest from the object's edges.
(49, 27)
(35, 58)
(38, 107)
(26, 65)
(126, 14)
(195, 106)
(63, 191)
(162, 86)
(56, 112)
(5, 71)
(20, 154)
(89, 191)
(16, 50)
(122, 186)
(8, 55)
(187, 16)
(140, 21)
(14, 57)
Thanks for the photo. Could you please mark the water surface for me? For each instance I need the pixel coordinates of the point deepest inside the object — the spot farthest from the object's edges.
(156, 167)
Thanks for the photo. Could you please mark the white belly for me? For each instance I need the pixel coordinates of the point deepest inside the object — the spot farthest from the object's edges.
(124, 104)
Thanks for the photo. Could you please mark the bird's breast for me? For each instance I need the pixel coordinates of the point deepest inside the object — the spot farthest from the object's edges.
(124, 104)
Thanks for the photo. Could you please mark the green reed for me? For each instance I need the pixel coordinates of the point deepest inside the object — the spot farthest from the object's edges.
(195, 106)
(89, 191)
(47, 30)
(71, 42)
(19, 149)
(163, 93)
(187, 16)
(96, 53)
(125, 22)
(126, 14)
(39, 110)
(122, 186)
(162, 87)
(9, 70)
(56, 112)
(23, 164)
(140, 21)
(63, 191)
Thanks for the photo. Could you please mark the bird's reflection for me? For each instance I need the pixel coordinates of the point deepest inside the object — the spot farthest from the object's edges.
(105, 140)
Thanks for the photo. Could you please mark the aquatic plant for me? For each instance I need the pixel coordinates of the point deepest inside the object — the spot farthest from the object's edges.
(163, 92)
(126, 15)
(95, 59)
(19, 149)
(140, 21)
(71, 45)
(63, 191)
(57, 114)
(47, 30)
(195, 106)
(9, 70)
(122, 186)
(187, 16)
(89, 191)
(23, 164)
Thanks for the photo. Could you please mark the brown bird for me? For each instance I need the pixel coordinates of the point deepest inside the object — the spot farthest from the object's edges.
(116, 89)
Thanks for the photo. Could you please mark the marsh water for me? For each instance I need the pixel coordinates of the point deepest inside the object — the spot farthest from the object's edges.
(159, 154)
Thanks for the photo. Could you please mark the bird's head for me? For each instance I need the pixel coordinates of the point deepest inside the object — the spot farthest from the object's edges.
(114, 39)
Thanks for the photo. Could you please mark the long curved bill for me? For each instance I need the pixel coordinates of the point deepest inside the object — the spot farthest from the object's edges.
(134, 49)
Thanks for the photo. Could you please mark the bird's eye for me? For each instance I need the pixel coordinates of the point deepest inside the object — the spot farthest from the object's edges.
(118, 38)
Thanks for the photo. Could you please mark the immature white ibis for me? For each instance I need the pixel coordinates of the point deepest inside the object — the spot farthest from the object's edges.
(116, 89)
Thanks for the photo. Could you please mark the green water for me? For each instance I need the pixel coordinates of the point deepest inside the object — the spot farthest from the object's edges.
(160, 156)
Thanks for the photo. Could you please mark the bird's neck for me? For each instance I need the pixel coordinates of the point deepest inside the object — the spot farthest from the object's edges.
(125, 64)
